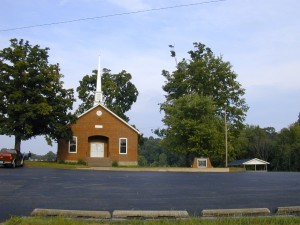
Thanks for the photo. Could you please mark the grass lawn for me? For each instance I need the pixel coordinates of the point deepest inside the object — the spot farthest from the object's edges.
(192, 221)
(40, 164)
(54, 165)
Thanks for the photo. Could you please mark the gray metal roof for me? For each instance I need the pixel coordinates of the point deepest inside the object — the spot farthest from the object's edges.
(254, 161)
(238, 162)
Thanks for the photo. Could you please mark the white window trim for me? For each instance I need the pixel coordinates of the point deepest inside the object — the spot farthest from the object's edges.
(120, 146)
(74, 137)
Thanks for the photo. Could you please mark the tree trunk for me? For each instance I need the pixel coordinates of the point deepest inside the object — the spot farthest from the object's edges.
(18, 143)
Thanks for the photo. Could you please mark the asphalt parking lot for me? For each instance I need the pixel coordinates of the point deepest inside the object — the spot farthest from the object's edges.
(24, 189)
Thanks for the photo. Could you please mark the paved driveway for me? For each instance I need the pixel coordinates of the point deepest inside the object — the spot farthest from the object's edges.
(23, 189)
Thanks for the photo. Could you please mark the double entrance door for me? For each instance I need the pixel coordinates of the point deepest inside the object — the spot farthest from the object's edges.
(97, 150)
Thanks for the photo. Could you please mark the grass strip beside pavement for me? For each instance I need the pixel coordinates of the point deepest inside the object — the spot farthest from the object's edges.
(192, 221)
(54, 165)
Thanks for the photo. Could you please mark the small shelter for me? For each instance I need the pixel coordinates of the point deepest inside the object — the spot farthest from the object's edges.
(255, 163)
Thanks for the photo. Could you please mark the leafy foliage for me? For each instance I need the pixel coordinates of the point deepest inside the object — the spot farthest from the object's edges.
(152, 153)
(257, 142)
(33, 100)
(193, 127)
(48, 157)
(119, 93)
(208, 75)
(287, 154)
(281, 149)
(200, 93)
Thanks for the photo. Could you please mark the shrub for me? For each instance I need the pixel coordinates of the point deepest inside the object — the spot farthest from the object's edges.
(115, 164)
(81, 162)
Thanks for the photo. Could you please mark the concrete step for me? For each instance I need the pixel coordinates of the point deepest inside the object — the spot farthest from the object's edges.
(291, 210)
(236, 212)
(72, 213)
(99, 162)
(150, 214)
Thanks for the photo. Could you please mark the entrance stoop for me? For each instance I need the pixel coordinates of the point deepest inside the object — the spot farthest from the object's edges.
(99, 162)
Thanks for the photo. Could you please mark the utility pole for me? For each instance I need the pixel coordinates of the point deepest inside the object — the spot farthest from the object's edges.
(226, 148)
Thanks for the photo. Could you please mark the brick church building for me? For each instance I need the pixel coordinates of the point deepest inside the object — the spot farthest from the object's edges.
(100, 137)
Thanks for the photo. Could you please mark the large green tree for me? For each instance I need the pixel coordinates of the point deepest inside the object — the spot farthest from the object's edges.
(211, 76)
(193, 127)
(119, 93)
(214, 82)
(33, 100)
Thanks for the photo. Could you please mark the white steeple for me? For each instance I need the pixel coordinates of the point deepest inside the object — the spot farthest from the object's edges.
(98, 92)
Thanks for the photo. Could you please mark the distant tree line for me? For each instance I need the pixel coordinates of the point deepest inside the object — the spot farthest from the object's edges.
(281, 149)
(48, 157)
(151, 153)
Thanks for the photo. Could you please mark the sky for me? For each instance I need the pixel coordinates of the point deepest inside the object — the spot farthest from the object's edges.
(261, 40)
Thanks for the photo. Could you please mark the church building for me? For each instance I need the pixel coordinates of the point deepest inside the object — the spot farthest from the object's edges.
(100, 137)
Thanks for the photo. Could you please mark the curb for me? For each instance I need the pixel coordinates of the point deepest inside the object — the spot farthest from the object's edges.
(236, 212)
(292, 210)
(151, 214)
(72, 213)
(160, 214)
(166, 169)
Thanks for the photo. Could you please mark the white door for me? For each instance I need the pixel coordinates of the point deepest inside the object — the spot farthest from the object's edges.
(97, 150)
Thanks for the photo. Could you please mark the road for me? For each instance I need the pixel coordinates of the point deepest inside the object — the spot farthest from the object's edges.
(23, 189)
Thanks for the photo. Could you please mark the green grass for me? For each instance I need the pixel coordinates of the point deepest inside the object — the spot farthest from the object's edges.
(192, 221)
(39, 164)
(47, 221)
(54, 165)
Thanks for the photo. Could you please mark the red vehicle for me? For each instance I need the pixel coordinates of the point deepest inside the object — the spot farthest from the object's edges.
(11, 157)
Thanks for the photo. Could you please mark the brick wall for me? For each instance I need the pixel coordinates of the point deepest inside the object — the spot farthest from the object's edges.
(112, 129)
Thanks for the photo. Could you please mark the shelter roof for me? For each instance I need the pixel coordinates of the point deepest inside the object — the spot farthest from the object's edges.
(254, 161)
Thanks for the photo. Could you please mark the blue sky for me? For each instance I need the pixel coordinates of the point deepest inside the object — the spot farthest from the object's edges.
(261, 39)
